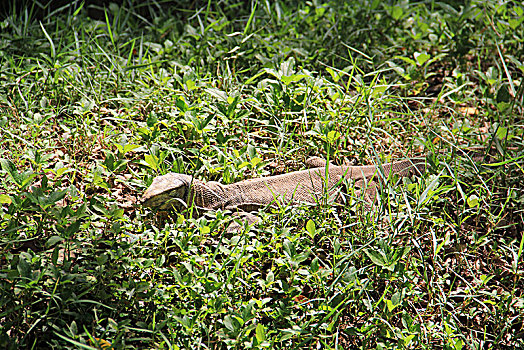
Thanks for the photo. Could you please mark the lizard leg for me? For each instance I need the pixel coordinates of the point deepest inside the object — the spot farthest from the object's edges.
(317, 162)
(241, 218)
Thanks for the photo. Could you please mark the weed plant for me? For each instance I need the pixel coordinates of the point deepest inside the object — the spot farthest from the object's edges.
(97, 101)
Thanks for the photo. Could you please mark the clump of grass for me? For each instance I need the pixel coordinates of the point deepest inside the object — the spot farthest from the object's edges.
(92, 109)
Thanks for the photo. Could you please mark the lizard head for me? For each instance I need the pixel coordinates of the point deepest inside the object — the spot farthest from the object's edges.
(170, 191)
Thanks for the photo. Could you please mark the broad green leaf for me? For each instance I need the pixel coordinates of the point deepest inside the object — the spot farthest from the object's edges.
(473, 201)
(151, 161)
(378, 90)
(407, 59)
(54, 256)
(190, 84)
(408, 339)
(184, 321)
(429, 191)
(5, 199)
(334, 75)
(21, 179)
(254, 77)
(376, 257)
(503, 94)
(218, 94)
(73, 328)
(126, 148)
(289, 249)
(514, 23)
(286, 67)
(181, 104)
(24, 269)
(243, 165)
(102, 259)
(314, 265)
(73, 228)
(390, 305)
(260, 333)
(301, 257)
(292, 78)
(396, 12)
(395, 298)
(98, 180)
(421, 57)
(332, 136)
(502, 132)
(255, 161)
(56, 196)
(457, 344)
(61, 171)
(394, 302)
(310, 227)
(53, 240)
(229, 323)
(270, 277)
(233, 102)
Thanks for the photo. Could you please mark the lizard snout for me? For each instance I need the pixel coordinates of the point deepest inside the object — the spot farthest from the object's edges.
(166, 191)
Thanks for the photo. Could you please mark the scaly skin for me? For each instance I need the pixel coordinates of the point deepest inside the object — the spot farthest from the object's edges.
(177, 190)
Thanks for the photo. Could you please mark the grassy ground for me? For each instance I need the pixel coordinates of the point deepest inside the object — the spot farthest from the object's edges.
(92, 110)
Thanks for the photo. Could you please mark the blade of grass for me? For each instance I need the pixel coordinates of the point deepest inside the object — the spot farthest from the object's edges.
(251, 16)
(109, 30)
(53, 52)
(511, 84)
(80, 7)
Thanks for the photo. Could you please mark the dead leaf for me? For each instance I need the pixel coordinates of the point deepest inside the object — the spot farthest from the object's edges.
(468, 111)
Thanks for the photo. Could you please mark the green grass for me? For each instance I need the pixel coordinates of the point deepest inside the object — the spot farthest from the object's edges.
(92, 110)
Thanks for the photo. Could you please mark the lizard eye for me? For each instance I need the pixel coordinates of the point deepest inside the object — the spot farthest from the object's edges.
(178, 198)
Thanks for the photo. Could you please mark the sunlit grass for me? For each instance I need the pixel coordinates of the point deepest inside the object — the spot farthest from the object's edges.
(92, 109)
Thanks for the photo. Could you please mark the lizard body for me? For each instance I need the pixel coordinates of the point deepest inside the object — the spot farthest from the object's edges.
(179, 190)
